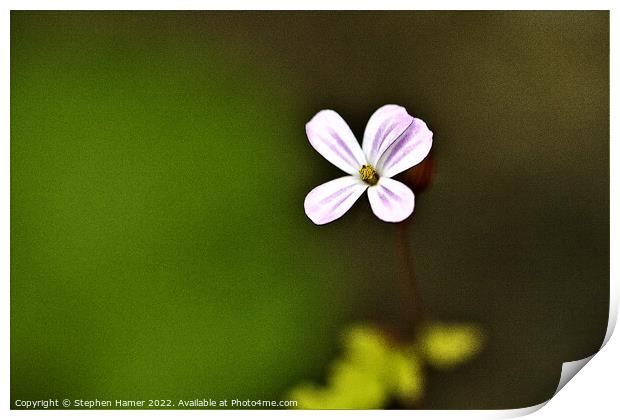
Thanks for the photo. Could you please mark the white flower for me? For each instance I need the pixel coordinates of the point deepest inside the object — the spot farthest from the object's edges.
(394, 141)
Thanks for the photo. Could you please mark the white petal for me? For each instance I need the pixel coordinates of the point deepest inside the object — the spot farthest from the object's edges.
(329, 201)
(408, 150)
(330, 135)
(390, 200)
(384, 126)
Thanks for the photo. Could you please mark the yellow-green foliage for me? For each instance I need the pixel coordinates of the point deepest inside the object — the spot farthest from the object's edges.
(399, 373)
(371, 372)
(374, 370)
(445, 346)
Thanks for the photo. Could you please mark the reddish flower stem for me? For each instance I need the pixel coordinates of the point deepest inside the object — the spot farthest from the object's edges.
(414, 313)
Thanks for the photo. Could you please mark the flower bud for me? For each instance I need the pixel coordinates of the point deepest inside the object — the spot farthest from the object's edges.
(420, 177)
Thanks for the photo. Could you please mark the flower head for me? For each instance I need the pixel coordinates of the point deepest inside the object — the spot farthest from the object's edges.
(394, 141)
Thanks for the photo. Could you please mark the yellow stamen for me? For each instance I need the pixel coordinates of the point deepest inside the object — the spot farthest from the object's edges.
(369, 175)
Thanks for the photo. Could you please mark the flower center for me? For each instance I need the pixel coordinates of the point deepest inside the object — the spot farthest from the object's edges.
(369, 175)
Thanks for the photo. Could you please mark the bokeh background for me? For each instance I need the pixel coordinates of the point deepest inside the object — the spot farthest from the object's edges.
(159, 247)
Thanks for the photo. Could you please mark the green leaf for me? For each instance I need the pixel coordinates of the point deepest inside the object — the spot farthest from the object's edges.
(445, 346)
(372, 371)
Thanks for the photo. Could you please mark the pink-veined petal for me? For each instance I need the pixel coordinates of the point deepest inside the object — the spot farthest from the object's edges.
(390, 200)
(330, 135)
(384, 126)
(408, 150)
(329, 201)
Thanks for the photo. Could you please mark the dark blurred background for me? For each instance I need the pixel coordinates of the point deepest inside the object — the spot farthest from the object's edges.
(159, 247)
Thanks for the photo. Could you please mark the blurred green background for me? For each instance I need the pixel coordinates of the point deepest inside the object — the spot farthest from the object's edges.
(159, 247)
